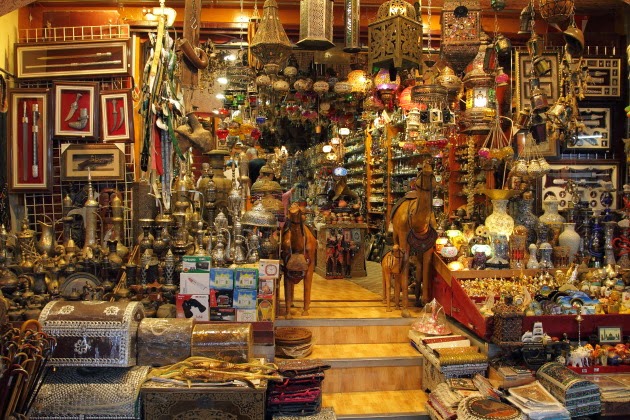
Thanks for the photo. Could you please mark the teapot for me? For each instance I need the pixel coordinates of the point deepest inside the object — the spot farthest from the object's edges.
(240, 249)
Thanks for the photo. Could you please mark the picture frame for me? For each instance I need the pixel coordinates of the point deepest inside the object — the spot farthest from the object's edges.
(587, 176)
(116, 116)
(51, 60)
(100, 162)
(606, 76)
(550, 84)
(597, 135)
(75, 110)
(29, 149)
(609, 335)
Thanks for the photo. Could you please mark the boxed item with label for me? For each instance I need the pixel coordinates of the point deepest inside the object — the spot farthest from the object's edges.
(223, 314)
(246, 315)
(192, 306)
(265, 310)
(196, 263)
(269, 268)
(194, 283)
(266, 286)
(246, 278)
(221, 298)
(244, 299)
(221, 278)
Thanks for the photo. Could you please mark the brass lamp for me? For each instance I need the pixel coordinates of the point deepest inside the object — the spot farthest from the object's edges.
(316, 24)
(461, 33)
(394, 38)
(352, 25)
(270, 44)
(479, 85)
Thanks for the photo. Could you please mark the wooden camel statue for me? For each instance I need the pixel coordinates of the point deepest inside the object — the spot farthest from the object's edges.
(390, 266)
(298, 249)
(414, 234)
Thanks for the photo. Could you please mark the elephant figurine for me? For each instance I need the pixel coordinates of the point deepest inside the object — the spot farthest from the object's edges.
(579, 357)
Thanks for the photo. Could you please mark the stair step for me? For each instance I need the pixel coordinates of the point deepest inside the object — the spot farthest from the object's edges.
(362, 355)
(386, 405)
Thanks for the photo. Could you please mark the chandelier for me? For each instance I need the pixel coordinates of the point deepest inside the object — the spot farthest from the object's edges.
(270, 44)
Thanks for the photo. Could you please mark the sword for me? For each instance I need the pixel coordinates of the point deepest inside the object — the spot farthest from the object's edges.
(24, 144)
(35, 132)
(93, 63)
(66, 57)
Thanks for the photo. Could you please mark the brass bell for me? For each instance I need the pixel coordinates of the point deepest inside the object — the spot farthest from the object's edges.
(502, 45)
(535, 45)
(541, 66)
(574, 39)
(539, 100)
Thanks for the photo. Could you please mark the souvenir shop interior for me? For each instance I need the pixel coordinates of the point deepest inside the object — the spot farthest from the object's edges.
(314, 209)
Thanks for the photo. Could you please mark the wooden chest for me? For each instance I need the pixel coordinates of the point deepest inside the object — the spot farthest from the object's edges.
(166, 401)
(93, 333)
(164, 341)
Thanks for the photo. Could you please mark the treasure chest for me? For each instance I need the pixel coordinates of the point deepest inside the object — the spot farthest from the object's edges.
(90, 393)
(93, 333)
(164, 341)
(224, 341)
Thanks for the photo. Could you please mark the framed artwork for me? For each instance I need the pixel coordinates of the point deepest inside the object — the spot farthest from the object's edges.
(605, 77)
(76, 60)
(75, 114)
(116, 116)
(30, 159)
(596, 135)
(101, 162)
(550, 84)
(588, 178)
(609, 335)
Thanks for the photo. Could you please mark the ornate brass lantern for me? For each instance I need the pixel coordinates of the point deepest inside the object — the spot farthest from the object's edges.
(351, 26)
(270, 44)
(480, 97)
(316, 24)
(461, 33)
(395, 37)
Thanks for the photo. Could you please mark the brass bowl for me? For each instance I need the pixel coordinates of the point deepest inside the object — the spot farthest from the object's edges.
(496, 194)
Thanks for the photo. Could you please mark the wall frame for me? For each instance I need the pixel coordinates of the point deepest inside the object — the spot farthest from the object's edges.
(550, 84)
(609, 335)
(75, 111)
(597, 134)
(72, 59)
(102, 162)
(30, 152)
(587, 176)
(605, 75)
(116, 116)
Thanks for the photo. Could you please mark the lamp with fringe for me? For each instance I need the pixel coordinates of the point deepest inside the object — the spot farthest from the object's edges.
(270, 44)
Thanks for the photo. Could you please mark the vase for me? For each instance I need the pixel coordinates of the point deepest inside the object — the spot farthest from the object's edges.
(609, 233)
(552, 219)
(526, 217)
(570, 238)
(499, 221)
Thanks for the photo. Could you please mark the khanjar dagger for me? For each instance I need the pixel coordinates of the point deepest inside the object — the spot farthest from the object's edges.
(35, 136)
(73, 107)
(121, 118)
(115, 115)
(24, 144)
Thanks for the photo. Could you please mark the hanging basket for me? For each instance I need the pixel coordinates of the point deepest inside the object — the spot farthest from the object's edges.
(556, 11)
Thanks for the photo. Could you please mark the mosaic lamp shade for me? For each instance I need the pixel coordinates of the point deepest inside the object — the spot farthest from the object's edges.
(395, 37)
(480, 96)
(556, 11)
(461, 32)
(316, 24)
(270, 45)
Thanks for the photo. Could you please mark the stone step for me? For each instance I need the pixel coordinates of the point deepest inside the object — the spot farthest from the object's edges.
(379, 405)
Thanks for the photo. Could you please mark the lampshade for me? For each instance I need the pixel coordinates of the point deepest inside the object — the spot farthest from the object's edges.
(479, 96)
(359, 81)
(460, 33)
(382, 81)
(556, 11)
(270, 43)
(351, 26)
(395, 37)
(404, 101)
(316, 24)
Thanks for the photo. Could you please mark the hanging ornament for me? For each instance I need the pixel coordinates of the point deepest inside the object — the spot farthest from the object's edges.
(316, 24)
(352, 26)
(270, 45)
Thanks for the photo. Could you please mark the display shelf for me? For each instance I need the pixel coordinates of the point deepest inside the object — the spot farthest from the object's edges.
(405, 157)
(402, 174)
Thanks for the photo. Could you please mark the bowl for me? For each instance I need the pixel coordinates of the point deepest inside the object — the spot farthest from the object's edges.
(496, 194)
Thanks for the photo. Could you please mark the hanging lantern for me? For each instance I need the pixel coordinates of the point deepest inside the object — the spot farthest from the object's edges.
(386, 87)
(404, 100)
(270, 45)
(556, 11)
(461, 33)
(352, 26)
(359, 81)
(479, 96)
(497, 5)
(395, 37)
(316, 24)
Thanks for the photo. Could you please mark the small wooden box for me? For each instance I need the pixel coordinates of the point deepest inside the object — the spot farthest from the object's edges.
(93, 333)
(166, 401)
(164, 341)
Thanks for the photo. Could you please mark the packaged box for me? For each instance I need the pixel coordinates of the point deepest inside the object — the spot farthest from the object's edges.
(221, 298)
(246, 278)
(223, 314)
(194, 283)
(245, 298)
(246, 315)
(265, 310)
(192, 306)
(221, 278)
(196, 263)
(266, 286)
(269, 268)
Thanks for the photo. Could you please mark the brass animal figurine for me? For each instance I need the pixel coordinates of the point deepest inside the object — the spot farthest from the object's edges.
(298, 249)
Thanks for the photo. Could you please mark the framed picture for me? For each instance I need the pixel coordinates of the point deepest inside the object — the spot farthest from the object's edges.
(609, 334)
(588, 178)
(101, 162)
(75, 112)
(116, 116)
(30, 159)
(605, 77)
(76, 60)
(596, 135)
(550, 84)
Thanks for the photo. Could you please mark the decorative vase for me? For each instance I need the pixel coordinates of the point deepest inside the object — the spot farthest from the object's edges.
(533, 262)
(609, 233)
(546, 252)
(526, 217)
(500, 248)
(570, 238)
(552, 219)
(500, 222)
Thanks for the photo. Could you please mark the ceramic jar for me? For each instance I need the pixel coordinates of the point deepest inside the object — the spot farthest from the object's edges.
(526, 217)
(552, 219)
(570, 238)
(500, 222)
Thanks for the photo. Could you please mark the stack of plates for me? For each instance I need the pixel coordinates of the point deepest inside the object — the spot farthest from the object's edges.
(293, 342)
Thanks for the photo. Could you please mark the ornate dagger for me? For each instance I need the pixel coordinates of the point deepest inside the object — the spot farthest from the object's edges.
(24, 144)
(121, 118)
(73, 107)
(115, 115)
(35, 135)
